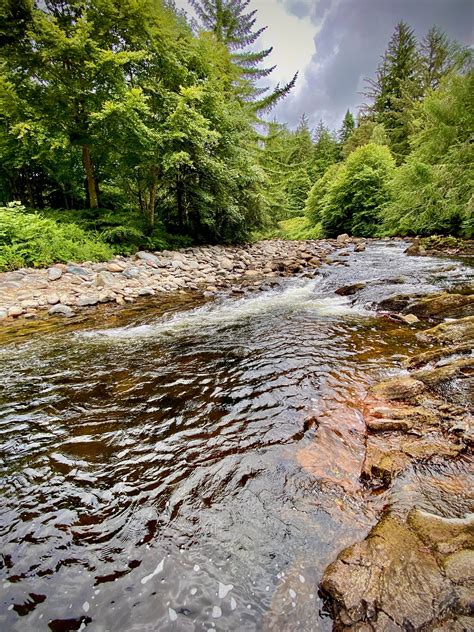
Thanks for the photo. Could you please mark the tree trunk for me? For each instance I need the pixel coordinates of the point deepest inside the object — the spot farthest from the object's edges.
(91, 183)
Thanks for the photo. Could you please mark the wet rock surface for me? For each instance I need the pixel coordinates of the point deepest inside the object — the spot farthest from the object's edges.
(406, 575)
(414, 569)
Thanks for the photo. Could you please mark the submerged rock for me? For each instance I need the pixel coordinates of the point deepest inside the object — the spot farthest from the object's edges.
(398, 388)
(348, 290)
(415, 249)
(433, 377)
(443, 306)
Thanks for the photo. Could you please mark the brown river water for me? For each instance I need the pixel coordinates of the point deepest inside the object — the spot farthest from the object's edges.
(160, 465)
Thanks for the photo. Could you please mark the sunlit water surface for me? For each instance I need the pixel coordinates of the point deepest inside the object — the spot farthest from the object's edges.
(162, 468)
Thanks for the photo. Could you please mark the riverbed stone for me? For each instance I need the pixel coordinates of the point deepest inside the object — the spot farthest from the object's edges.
(54, 274)
(106, 279)
(53, 299)
(61, 310)
(348, 290)
(116, 266)
(86, 300)
(389, 581)
(130, 272)
(409, 319)
(78, 270)
(456, 331)
(13, 277)
(443, 305)
(226, 263)
(146, 291)
(398, 388)
(15, 310)
(3, 314)
(148, 257)
(434, 377)
(29, 304)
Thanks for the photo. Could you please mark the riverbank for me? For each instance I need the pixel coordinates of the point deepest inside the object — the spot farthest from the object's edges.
(64, 290)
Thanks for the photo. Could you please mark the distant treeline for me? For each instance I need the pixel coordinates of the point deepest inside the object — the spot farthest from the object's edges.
(405, 167)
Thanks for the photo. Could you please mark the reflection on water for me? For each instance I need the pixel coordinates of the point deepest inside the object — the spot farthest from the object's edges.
(194, 469)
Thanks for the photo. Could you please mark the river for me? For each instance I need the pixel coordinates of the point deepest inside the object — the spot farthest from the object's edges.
(196, 465)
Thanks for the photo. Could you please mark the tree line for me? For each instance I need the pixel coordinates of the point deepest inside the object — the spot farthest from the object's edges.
(144, 130)
(404, 167)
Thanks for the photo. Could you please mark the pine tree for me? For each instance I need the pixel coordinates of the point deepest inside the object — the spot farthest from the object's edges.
(233, 26)
(396, 88)
(348, 126)
(438, 56)
(325, 152)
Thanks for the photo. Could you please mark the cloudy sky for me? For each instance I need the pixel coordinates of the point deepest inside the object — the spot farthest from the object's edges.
(335, 44)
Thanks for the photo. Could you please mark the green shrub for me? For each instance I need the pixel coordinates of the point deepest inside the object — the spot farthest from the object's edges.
(357, 193)
(30, 239)
(315, 201)
(295, 228)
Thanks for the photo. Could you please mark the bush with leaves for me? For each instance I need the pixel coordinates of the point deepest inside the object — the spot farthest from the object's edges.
(30, 239)
(317, 194)
(357, 193)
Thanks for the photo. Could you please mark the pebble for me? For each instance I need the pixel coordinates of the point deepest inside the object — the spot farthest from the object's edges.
(85, 300)
(15, 310)
(61, 310)
(78, 271)
(54, 274)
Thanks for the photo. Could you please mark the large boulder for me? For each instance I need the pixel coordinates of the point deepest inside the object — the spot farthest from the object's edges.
(395, 580)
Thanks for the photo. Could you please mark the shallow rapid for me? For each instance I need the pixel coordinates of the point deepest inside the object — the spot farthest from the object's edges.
(197, 468)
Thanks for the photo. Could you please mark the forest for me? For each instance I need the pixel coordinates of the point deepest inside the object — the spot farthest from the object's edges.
(124, 126)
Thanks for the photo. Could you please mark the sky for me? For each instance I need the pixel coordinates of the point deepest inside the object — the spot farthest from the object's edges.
(336, 44)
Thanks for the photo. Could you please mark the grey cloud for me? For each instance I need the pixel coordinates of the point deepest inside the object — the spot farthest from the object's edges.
(348, 47)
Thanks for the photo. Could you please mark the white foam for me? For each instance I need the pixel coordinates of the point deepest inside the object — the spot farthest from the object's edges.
(224, 590)
(225, 313)
(157, 570)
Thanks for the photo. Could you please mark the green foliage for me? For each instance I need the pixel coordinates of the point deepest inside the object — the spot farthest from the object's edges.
(357, 192)
(326, 150)
(132, 112)
(348, 126)
(30, 239)
(368, 131)
(433, 191)
(295, 228)
(316, 198)
(299, 228)
(292, 161)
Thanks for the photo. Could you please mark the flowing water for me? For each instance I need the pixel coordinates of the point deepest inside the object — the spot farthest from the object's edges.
(195, 466)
